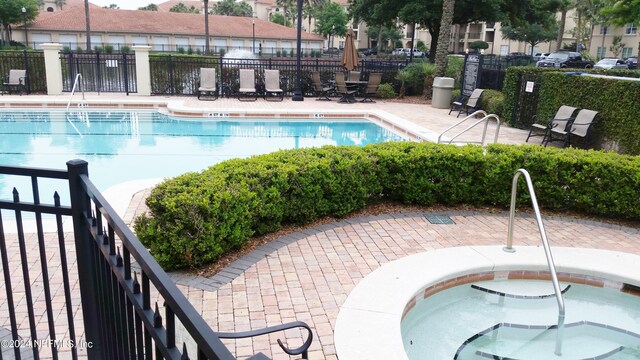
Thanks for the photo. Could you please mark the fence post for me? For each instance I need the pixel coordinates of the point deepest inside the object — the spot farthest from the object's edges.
(126, 73)
(86, 270)
(172, 87)
(143, 70)
(53, 68)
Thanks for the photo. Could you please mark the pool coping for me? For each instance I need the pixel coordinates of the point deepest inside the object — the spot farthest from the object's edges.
(369, 322)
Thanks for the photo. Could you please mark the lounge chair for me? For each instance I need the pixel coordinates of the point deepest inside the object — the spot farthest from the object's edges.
(579, 127)
(16, 81)
(247, 85)
(207, 87)
(272, 84)
(347, 92)
(372, 87)
(468, 105)
(322, 90)
(563, 117)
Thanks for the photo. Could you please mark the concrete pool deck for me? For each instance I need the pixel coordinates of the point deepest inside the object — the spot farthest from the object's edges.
(307, 275)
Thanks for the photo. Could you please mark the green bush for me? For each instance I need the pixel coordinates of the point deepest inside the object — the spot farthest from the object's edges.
(197, 217)
(66, 50)
(125, 49)
(455, 65)
(181, 50)
(98, 49)
(385, 91)
(108, 49)
(491, 101)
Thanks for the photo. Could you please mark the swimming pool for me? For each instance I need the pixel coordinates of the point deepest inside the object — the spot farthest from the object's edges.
(123, 145)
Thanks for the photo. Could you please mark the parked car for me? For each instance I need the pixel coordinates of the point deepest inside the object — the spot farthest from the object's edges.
(517, 55)
(369, 52)
(398, 51)
(632, 62)
(332, 51)
(565, 59)
(611, 63)
(540, 56)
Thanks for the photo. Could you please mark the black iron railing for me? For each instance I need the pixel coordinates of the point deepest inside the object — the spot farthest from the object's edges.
(32, 61)
(130, 308)
(100, 72)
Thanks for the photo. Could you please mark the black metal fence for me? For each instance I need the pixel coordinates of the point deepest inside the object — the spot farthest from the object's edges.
(32, 61)
(128, 307)
(176, 75)
(494, 69)
(100, 72)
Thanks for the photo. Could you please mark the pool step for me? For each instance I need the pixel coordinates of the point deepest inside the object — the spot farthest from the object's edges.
(581, 340)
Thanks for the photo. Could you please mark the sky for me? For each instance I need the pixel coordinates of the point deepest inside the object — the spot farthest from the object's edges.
(126, 4)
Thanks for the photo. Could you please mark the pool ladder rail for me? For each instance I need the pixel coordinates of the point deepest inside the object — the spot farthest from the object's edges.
(76, 84)
(485, 118)
(545, 243)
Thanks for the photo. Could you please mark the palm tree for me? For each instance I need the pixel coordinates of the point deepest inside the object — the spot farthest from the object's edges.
(206, 26)
(86, 17)
(443, 37)
(565, 5)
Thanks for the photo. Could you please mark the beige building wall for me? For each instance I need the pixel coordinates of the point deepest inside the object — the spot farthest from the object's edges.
(601, 41)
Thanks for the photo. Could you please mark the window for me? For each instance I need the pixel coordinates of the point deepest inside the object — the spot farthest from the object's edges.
(69, 40)
(182, 42)
(630, 29)
(626, 52)
(504, 49)
(139, 40)
(355, 34)
(116, 41)
(237, 44)
(604, 30)
(160, 43)
(602, 52)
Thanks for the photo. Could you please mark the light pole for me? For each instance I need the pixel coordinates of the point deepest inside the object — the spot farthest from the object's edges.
(297, 94)
(253, 47)
(26, 34)
(333, 30)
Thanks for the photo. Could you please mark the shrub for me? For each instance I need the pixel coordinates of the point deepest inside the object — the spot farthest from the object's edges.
(385, 91)
(66, 50)
(190, 51)
(291, 53)
(108, 49)
(278, 53)
(79, 50)
(98, 49)
(125, 49)
(197, 217)
(491, 101)
(180, 50)
(455, 65)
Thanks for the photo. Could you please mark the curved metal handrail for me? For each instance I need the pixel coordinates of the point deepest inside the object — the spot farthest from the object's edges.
(545, 243)
(73, 90)
(303, 349)
(485, 118)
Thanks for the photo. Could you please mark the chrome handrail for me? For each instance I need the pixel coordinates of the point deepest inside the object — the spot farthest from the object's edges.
(485, 118)
(73, 90)
(545, 243)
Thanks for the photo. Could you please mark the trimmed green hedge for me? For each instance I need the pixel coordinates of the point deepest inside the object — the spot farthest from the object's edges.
(196, 218)
(617, 102)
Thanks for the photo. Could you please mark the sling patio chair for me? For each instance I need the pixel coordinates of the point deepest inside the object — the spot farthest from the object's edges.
(354, 75)
(561, 120)
(208, 84)
(467, 104)
(247, 91)
(578, 127)
(16, 81)
(272, 85)
(347, 93)
(322, 90)
(372, 87)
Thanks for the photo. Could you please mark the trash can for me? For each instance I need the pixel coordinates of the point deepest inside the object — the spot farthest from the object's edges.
(442, 89)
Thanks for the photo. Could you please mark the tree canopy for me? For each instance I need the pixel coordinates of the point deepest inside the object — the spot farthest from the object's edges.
(232, 8)
(150, 7)
(332, 19)
(11, 13)
(182, 8)
(620, 12)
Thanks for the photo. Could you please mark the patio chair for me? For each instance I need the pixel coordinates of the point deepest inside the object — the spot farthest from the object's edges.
(16, 81)
(247, 85)
(347, 92)
(354, 75)
(372, 87)
(579, 127)
(563, 117)
(322, 90)
(272, 85)
(207, 87)
(467, 104)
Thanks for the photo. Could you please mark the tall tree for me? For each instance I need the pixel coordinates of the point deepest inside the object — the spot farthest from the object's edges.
(332, 19)
(448, 7)
(278, 18)
(182, 8)
(150, 7)
(286, 6)
(88, 24)
(232, 8)
(565, 6)
(206, 27)
(532, 34)
(11, 13)
(620, 12)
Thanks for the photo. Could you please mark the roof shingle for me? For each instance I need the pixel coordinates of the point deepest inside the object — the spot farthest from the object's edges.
(166, 23)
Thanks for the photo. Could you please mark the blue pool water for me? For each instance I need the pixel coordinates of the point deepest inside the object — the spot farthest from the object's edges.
(464, 322)
(122, 146)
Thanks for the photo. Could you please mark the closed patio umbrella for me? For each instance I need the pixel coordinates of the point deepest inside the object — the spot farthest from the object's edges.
(350, 54)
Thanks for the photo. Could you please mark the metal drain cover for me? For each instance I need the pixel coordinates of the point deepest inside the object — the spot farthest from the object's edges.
(439, 219)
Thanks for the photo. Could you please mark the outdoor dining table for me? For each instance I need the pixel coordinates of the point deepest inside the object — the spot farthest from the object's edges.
(358, 85)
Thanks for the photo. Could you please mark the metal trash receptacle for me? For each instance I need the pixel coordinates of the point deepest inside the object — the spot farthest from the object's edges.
(442, 90)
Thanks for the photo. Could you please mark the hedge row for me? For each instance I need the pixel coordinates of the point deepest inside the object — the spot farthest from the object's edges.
(196, 218)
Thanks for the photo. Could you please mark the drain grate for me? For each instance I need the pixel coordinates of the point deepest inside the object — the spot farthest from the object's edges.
(439, 219)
